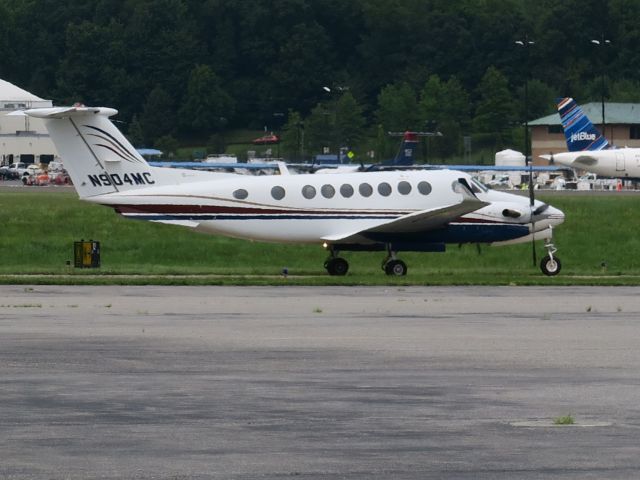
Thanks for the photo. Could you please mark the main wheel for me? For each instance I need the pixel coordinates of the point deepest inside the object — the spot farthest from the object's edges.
(396, 267)
(550, 266)
(337, 266)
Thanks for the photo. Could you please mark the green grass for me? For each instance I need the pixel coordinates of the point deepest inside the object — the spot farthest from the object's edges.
(38, 230)
(564, 420)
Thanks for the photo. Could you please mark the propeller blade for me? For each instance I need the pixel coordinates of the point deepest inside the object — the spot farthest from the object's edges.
(532, 201)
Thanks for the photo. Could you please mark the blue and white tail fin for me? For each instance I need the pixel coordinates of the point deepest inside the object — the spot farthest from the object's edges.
(579, 132)
(99, 159)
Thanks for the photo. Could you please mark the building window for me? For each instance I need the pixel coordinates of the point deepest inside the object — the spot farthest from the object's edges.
(277, 192)
(328, 191)
(554, 129)
(634, 132)
(308, 192)
(27, 158)
(365, 189)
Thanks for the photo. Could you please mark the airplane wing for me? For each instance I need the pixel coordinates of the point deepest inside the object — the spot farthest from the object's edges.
(417, 221)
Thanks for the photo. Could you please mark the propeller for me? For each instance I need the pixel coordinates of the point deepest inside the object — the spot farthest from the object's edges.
(532, 201)
(551, 159)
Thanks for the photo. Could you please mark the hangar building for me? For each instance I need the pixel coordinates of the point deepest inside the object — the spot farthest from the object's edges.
(622, 128)
(22, 139)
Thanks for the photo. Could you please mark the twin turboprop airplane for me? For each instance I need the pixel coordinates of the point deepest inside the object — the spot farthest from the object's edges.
(357, 211)
(589, 149)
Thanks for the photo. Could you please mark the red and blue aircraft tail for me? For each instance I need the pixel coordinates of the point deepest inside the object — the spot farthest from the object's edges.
(406, 154)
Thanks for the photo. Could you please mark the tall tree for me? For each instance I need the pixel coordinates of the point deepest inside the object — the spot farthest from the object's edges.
(158, 116)
(445, 105)
(495, 111)
(206, 107)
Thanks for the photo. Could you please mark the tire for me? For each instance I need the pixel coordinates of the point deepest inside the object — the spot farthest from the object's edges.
(396, 268)
(337, 266)
(550, 267)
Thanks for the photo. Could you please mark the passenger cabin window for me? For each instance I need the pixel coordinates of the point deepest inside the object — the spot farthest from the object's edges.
(308, 192)
(277, 192)
(240, 194)
(328, 191)
(404, 188)
(384, 189)
(346, 190)
(424, 188)
(365, 189)
(457, 187)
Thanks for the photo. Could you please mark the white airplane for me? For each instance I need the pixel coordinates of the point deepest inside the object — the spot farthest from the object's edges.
(359, 211)
(589, 149)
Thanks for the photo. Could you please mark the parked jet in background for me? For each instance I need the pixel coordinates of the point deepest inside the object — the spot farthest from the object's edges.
(376, 211)
(589, 149)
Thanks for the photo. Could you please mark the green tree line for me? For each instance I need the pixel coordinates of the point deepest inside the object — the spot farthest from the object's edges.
(192, 69)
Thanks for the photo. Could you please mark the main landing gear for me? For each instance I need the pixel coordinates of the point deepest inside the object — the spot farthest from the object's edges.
(337, 266)
(391, 265)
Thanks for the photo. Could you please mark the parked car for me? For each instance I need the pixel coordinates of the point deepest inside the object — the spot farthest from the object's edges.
(16, 170)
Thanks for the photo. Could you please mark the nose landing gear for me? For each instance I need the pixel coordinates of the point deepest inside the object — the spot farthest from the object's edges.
(550, 264)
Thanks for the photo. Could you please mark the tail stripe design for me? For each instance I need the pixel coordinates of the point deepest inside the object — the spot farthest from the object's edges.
(116, 147)
(579, 132)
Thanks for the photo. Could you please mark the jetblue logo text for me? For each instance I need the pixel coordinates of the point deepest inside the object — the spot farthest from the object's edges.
(576, 137)
(103, 179)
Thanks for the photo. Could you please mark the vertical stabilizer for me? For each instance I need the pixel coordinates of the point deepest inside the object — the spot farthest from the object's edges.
(96, 154)
(579, 132)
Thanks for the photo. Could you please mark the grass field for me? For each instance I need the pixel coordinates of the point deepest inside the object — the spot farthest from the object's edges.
(598, 244)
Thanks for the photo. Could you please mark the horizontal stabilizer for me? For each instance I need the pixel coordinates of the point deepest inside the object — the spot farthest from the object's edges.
(65, 112)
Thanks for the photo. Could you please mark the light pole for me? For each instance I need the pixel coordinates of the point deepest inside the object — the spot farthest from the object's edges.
(526, 43)
(602, 43)
(338, 90)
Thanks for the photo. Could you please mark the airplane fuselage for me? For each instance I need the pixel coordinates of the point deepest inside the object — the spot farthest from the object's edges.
(312, 208)
(615, 163)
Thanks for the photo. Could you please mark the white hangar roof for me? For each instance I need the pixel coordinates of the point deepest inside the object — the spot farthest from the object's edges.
(10, 93)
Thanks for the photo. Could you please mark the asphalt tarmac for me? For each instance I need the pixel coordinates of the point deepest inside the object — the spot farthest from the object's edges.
(308, 382)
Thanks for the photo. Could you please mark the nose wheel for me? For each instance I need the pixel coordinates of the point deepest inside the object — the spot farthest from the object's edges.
(550, 264)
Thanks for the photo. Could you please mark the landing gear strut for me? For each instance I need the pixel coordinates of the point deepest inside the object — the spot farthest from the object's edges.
(550, 264)
(392, 265)
(336, 265)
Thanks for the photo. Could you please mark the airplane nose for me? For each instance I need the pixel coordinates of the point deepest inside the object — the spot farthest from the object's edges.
(555, 216)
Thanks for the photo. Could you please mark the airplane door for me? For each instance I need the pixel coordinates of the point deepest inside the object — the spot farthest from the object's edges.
(619, 161)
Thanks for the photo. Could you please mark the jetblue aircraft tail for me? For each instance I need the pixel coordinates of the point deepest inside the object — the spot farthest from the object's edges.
(579, 132)
(97, 155)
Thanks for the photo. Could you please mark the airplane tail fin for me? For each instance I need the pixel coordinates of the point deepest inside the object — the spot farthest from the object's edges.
(406, 154)
(579, 132)
(96, 154)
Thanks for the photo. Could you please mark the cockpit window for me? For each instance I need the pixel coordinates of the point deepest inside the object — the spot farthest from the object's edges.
(477, 186)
